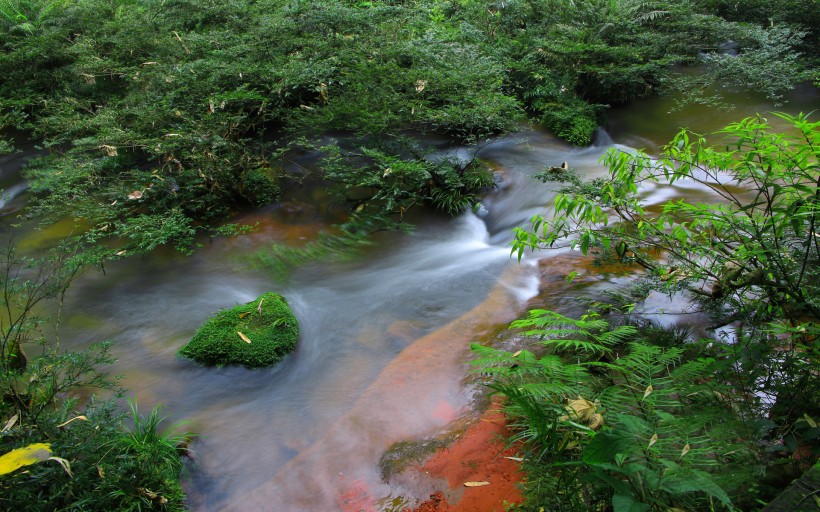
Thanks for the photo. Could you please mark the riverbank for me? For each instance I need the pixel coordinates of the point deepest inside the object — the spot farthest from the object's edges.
(479, 470)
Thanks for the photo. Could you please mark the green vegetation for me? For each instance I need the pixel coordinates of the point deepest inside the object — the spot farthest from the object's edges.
(257, 334)
(611, 413)
(627, 423)
(88, 458)
(162, 117)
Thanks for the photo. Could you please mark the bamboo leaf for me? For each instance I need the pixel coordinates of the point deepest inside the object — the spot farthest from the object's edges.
(10, 423)
(64, 463)
(82, 418)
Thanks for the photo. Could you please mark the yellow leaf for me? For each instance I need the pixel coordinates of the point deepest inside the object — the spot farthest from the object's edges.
(596, 422)
(647, 392)
(685, 450)
(26, 456)
(653, 440)
(517, 353)
(244, 338)
(475, 484)
(83, 418)
(243, 315)
(581, 410)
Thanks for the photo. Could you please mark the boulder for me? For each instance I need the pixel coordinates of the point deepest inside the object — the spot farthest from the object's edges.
(257, 334)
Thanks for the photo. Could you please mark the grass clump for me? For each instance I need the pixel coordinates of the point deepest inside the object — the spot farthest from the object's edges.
(257, 334)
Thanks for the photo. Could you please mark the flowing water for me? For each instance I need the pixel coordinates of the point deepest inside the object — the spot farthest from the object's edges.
(384, 336)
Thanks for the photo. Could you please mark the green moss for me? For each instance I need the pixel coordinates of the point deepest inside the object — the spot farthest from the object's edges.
(271, 328)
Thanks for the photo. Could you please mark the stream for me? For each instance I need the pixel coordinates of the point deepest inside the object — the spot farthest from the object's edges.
(385, 335)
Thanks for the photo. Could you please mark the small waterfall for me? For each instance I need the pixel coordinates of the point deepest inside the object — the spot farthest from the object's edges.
(601, 138)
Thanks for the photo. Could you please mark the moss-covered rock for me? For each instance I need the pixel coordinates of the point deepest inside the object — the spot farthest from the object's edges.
(259, 333)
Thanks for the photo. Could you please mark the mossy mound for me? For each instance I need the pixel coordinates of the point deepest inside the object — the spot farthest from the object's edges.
(267, 322)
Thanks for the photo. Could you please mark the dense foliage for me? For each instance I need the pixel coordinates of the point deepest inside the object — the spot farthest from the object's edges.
(607, 418)
(162, 117)
(751, 261)
(257, 334)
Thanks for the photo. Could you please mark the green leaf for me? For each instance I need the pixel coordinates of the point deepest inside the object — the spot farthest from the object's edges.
(606, 444)
(694, 481)
(623, 503)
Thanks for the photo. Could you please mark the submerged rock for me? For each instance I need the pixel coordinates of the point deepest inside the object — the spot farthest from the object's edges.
(257, 334)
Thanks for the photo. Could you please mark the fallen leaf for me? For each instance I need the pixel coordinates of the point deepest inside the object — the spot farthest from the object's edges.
(475, 484)
(685, 450)
(596, 422)
(647, 392)
(137, 194)
(518, 353)
(420, 85)
(26, 456)
(109, 150)
(259, 307)
(581, 410)
(243, 315)
(64, 463)
(516, 459)
(244, 338)
(83, 418)
(653, 440)
(10, 423)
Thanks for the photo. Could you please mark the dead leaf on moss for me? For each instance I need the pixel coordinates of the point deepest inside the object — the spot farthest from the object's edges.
(244, 338)
(243, 315)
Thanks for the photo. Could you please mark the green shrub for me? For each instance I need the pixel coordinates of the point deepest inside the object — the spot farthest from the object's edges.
(614, 423)
(92, 461)
(259, 186)
(575, 123)
(267, 322)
